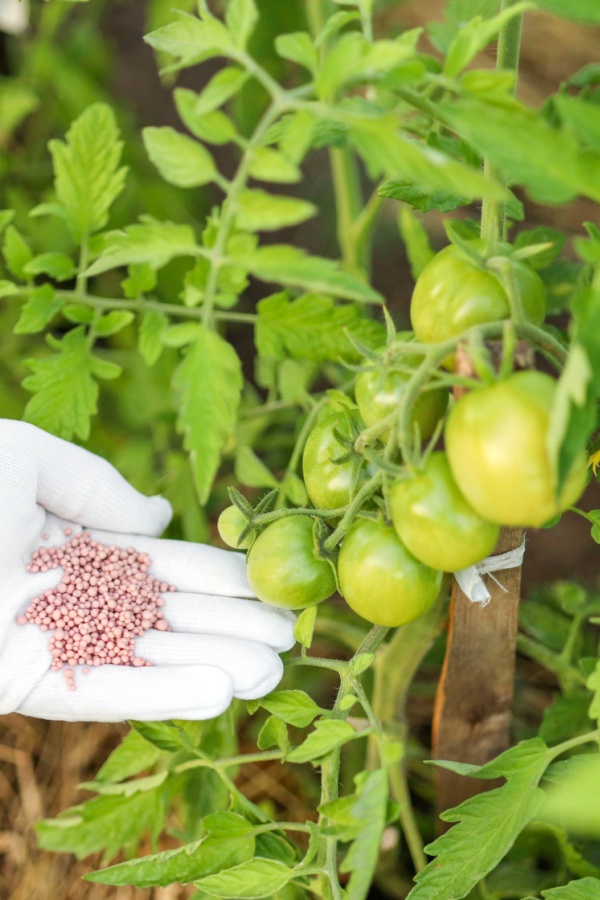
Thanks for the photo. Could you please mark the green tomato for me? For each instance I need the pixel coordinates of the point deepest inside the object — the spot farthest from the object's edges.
(283, 568)
(436, 523)
(230, 525)
(496, 440)
(328, 484)
(378, 395)
(380, 579)
(453, 294)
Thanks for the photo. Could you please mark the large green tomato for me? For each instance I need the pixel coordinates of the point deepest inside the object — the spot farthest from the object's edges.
(452, 294)
(328, 483)
(378, 395)
(380, 580)
(283, 568)
(496, 443)
(436, 523)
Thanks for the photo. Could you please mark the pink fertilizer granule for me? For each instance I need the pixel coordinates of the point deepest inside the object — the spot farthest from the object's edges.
(105, 599)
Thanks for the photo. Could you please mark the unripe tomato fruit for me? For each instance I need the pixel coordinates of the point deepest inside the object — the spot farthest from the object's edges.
(496, 445)
(436, 522)
(328, 484)
(452, 294)
(380, 579)
(378, 394)
(283, 568)
(230, 525)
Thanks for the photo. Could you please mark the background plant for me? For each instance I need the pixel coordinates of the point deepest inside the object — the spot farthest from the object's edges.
(158, 309)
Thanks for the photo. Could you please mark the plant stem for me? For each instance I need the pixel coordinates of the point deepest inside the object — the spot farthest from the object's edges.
(348, 205)
(493, 213)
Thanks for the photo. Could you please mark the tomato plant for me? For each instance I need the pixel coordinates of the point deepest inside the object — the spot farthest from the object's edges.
(198, 283)
(497, 443)
(284, 568)
(436, 523)
(381, 580)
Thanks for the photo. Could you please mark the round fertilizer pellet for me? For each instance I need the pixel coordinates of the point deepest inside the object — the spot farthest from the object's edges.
(105, 598)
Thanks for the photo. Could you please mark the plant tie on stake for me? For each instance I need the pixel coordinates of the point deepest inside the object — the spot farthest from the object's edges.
(471, 583)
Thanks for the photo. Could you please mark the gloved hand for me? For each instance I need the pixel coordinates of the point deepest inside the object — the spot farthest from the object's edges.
(223, 644)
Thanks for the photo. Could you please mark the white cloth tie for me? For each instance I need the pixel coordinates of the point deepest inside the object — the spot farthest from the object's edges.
(471, 583)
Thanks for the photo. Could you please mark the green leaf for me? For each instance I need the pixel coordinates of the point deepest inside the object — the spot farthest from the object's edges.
(593, 684)
(104, 823)
(41, 307)
(294, 707)
(241, 17)
(370, 809)
(133, 755)
(65, 392)
(152, 328)
(582, 117)
(259, 211)
(360, 663)
(541, 235)
(488, 824)
(87, 177)
(566, 717)
(183, 865)
(251, 471)
(57, 265)
(254, 879)
(291, 266)
(6, 217)
(267, 164)
(298, 47)
(416, 241)
(152, 242)
(385, 152)
(582, 889)
(274, 734)
(142, 278)
(305, 626)
(221, 87)
(586, 11)
(180, 334)
(547, 161)
(191, 40)
(418, 198)
(327, 735)
(17, 253)
(475, 35)
(572, 801)
(296, 138)
(456, 13)
(181, 160)
(7, 288)
(312, 327)
(214, 127)
(208, 383)
(163, 735)
(226, 824)
(113, 322)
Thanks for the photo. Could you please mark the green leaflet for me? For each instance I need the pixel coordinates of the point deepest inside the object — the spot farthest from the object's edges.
(326, 736)
(312, 327)
(183, 865)
(133, 755)
(181, 160)
(370, 809)
(583, 889)
(208, 383)
(190, 40)
(104, 823)
(152, 328)
(150, 241)
(254, 879)
(259, 211)
(294, 707)
(547, 161)
(64, 388)
(87, 177)
(488, 824)
(579, 10)
(241, 18)
(41, 307)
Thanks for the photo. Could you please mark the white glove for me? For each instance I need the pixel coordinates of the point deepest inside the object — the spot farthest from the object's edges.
(221, 645)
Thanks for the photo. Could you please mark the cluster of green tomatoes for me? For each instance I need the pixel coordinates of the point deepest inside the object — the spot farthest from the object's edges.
(391, 512)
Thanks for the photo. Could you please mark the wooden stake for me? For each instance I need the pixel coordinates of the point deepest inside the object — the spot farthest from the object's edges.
(472, 713)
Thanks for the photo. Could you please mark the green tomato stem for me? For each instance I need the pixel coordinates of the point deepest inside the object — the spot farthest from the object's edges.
(493, 212)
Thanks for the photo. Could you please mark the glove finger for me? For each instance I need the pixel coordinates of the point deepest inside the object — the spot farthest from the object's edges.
(193, 568)
(73, 483)
(116, 693)
(231, 617)
(253, 668)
